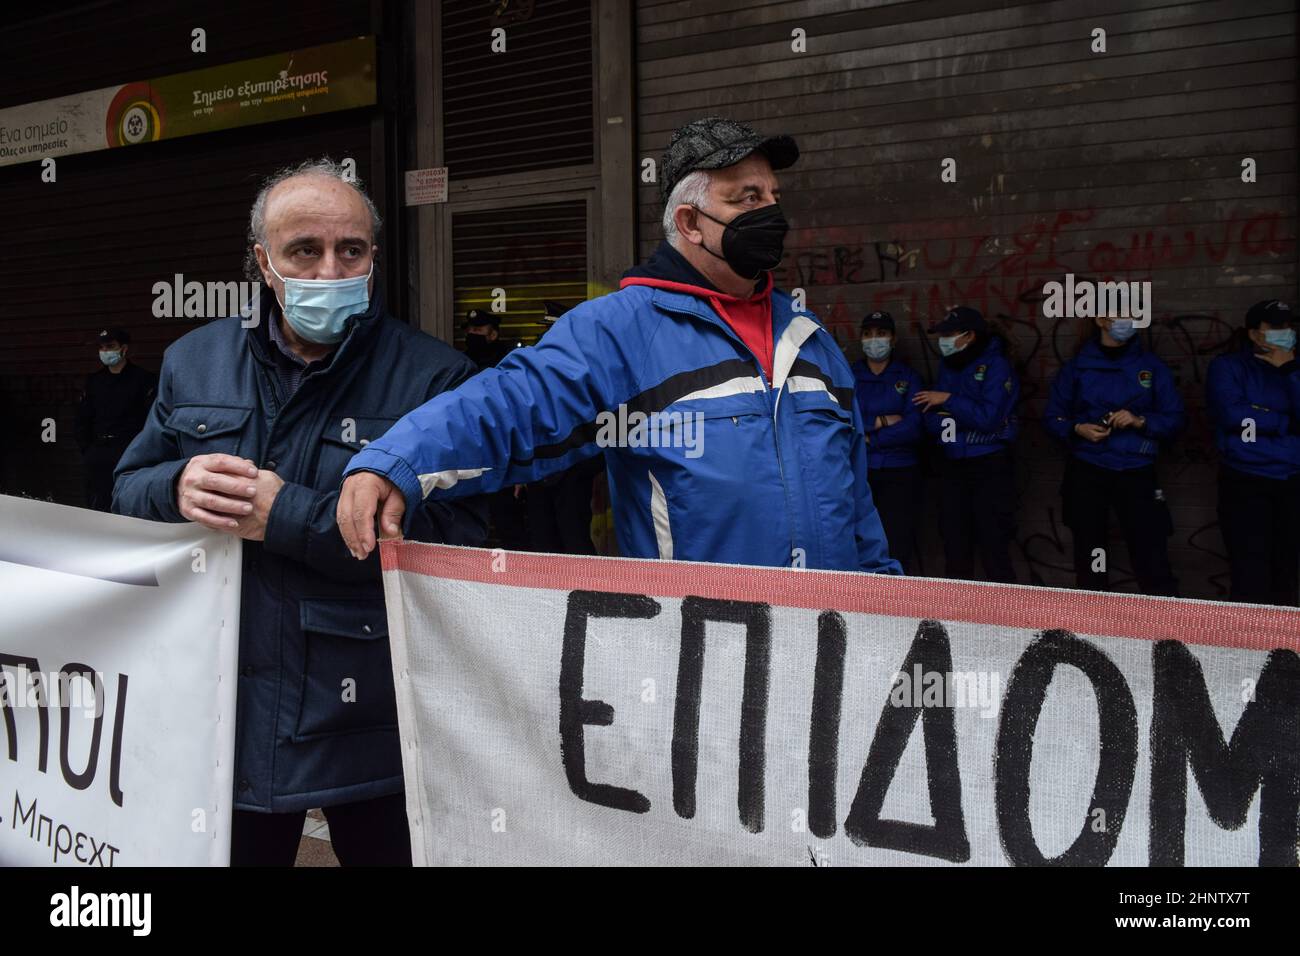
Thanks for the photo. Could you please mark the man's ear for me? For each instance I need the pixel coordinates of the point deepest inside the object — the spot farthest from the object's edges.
(687, 218)
(263, 263)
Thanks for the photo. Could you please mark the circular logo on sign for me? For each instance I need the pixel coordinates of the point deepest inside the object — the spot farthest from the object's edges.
(133, 117)
(136, 123)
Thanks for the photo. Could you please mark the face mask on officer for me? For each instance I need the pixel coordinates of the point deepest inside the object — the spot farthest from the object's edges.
(318, 309)
(752, 243)
(1121, 330)
(876, 347)
(477, 346)
(1283, 339)
(110, 357)
(948, 344)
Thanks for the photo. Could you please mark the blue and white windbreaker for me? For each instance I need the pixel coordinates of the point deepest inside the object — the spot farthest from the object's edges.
(777, 480)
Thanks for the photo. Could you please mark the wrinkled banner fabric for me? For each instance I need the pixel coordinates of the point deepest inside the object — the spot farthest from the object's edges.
(605, 711)
(118, 647)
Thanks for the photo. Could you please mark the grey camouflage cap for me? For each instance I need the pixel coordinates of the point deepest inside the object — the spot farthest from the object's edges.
(715, 143)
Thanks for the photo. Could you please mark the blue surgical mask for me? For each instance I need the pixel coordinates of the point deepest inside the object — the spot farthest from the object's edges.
(948, 344)
(1121, 330)
(110, 357)
(877, 348)
(319, 309)
(1281, 338)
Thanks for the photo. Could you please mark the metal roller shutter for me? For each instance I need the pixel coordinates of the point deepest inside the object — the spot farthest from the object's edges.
(1123, 165)
(529, 107)
(533, 252)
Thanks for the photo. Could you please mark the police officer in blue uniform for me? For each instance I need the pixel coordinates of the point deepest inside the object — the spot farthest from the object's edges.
(1114, 403)
(884, 386)
(971, 412)
(1253, 396)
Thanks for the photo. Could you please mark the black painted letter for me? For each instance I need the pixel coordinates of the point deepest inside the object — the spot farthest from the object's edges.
(1117, 720)
(757, 618)
(1264, 753)
(824, 726)
(575, 712)
(947, 839)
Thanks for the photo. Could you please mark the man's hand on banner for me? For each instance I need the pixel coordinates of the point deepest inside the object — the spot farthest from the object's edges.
(217, 490)
(364, 494)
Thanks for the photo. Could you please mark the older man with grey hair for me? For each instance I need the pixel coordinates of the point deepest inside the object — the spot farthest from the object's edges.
(254, 422)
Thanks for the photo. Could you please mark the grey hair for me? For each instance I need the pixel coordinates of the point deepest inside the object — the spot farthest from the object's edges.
(312, 167)
(692, 190)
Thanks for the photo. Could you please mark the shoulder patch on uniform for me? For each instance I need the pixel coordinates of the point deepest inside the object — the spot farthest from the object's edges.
(901, 386)
(979, 372)
(1145, 377)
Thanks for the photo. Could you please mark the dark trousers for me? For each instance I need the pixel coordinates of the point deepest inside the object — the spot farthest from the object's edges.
(365, 833)
(1088, 496)
(896, 493)
(1260, 522)
(99, 461)
(559, 510)
(977, 512)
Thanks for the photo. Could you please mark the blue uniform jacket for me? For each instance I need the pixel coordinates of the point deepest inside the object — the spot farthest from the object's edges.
(889, 393)
(1091, 384)
(985, 391)
(1241, 388)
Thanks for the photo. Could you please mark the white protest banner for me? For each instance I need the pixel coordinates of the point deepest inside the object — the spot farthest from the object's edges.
(560, 710)
(118, 650)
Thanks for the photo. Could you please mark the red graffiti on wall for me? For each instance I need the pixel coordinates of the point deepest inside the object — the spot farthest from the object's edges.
(1003, 275)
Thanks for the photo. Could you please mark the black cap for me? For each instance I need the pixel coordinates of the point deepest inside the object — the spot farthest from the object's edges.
(715, 143)
(961, 319)
(120, 336)
(552, 310)
(878, 320)
(1272, 311)
(482, 317)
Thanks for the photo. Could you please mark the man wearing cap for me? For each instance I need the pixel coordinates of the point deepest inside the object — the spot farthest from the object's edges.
(113, 409)
(759, 457)
(1253, 397)
(483, 344)
(971, 411)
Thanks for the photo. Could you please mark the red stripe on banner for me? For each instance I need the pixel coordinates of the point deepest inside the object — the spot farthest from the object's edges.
(1085, 612)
